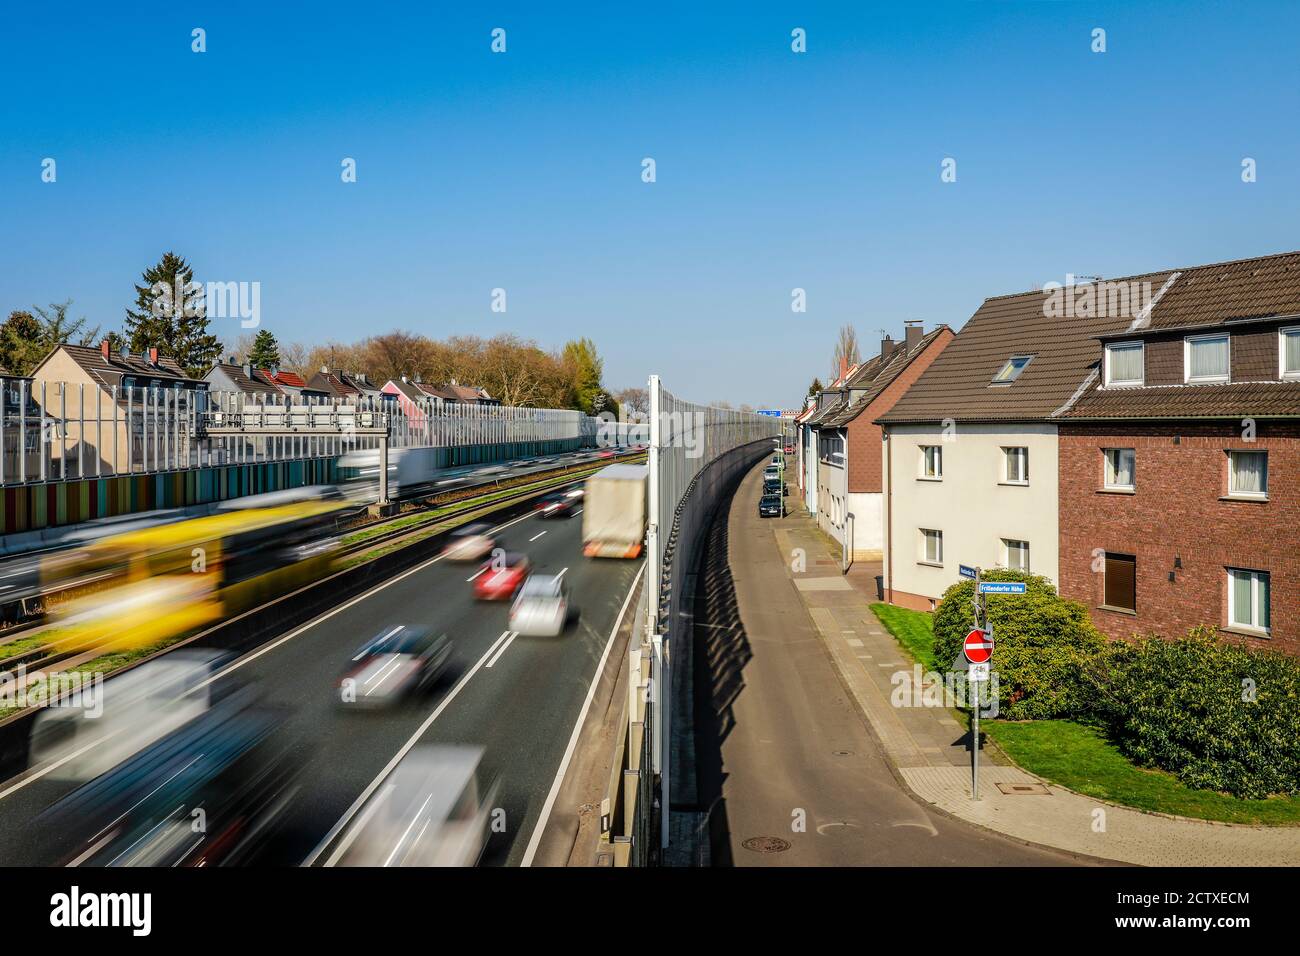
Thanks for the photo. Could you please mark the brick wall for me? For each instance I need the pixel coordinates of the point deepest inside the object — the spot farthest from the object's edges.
(1175, 512)
(866, 467)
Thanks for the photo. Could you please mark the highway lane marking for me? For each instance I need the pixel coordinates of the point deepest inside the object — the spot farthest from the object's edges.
(392, 764)
(477, 573)
(535, 537)
(509, 641)
(578, 512)
(544, 817)
(249, 658)
(379, 640)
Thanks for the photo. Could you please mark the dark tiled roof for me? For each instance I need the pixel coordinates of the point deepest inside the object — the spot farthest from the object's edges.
(883, 374)
(1233, 400)
(258, 384)
(108, 372)
(1244, 289)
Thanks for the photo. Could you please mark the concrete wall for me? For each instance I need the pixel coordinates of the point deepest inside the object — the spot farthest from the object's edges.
(972, 504)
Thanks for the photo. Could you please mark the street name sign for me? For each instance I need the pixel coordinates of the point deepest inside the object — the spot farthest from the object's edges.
(770, 412)
(1002, 587)
(966, 571)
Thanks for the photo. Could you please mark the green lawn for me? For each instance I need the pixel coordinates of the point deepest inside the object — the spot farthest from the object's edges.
(913, 630)
(1080, 758)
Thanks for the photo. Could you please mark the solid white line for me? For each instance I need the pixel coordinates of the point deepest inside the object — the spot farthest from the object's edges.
(536, 536)
(544, 817)
(477, 573)
(578, 512)
(511, 640)
(397, 758)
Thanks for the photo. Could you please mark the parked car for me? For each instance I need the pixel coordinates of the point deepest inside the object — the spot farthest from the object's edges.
(397, 664)
(469, 542)
(770, 506)
(771, 471)
(502, 576)
(542, 607)
(773, 486)
(789, 449)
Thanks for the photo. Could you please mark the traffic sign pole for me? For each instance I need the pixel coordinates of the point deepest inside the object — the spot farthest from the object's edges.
(982, 615)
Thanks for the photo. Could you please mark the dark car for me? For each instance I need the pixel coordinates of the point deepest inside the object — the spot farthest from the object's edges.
(773, 486)
(558, 504)
(770, 506)
(395, 665)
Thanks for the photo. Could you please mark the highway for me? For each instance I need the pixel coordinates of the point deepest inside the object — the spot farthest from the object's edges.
(518, 697)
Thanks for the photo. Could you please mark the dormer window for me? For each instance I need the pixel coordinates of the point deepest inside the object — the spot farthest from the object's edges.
(1289, 342)
(1124, 365)
(1011, 371)
(1205, 358)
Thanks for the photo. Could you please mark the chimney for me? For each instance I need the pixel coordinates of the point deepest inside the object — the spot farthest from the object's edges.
(248, 369)
(915, 332)
(153, 355)
(105, 350)
(887, 347)
(844, 368)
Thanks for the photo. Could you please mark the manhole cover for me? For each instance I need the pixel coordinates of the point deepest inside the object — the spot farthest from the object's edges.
(1024, 789)
(766, 844)
(842, 753)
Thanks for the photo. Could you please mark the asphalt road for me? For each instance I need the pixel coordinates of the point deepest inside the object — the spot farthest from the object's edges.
(520, 702)
(779, 741)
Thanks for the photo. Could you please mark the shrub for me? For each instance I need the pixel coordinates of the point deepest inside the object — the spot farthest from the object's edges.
(1218, 715)
(1043, 643)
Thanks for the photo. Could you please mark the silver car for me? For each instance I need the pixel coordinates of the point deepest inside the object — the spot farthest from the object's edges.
(542, 607)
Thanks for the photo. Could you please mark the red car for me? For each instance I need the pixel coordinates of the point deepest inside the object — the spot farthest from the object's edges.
(500, 578)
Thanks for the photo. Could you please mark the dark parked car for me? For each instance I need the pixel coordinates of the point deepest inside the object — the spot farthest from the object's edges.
(770, 506)
(773, 486)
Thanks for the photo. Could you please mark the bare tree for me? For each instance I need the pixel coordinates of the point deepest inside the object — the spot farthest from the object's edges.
(846, 350)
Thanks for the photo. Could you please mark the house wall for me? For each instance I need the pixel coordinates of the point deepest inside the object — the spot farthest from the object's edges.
(1252, 356)
(972, 505)
(867, 524)
(1176, 512)
(831, 496)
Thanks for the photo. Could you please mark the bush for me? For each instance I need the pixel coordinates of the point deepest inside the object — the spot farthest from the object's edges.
(1043, 644)
(1186, 706)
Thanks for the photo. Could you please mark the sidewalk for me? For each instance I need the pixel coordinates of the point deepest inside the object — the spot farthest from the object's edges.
(929, 750)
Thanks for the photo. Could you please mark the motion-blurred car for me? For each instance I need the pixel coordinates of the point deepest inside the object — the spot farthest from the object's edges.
(542, 607)
(770, 506)
(606, 453)
(502, 576)
(789, 449)
(433, 810)
(558, 504)
(398, 664)
(469, 542)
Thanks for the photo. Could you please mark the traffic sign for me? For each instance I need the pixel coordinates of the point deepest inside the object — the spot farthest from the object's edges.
(978, 647)
(978, 672)
(1002, 587)
(966, 571)
(770, 412)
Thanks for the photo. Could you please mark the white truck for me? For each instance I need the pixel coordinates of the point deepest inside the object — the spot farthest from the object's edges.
(614, 512)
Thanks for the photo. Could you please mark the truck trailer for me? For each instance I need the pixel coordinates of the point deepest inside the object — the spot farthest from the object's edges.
(614, 512)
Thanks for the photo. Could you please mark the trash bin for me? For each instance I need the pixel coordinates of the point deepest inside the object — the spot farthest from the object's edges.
(880, 587)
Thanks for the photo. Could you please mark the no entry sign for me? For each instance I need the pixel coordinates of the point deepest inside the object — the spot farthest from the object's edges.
(978, 647)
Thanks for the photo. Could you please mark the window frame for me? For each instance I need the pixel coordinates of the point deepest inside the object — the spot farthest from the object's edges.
(1107, 555)
(1006, 554)
(1188, 378)
(1106, 483)
(936, 561)
(1282, 372)
(1248, 495)
(1009, 365)
(1255, 576)
(925, 464)
(1125, 383)
(1008, 457)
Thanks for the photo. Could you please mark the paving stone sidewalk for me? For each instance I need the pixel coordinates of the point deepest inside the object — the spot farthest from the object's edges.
(930, 747)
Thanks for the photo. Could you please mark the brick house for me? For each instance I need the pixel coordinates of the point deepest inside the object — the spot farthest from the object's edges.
(852, 483)
(1180, 461)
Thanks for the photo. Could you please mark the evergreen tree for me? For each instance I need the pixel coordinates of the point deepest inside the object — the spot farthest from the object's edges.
(20, 343)
(265, 352)
(815, 387)
(585, 369)
(171, 316)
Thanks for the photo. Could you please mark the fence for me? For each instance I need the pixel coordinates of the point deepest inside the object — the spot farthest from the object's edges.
(695, 451)
(59, 431)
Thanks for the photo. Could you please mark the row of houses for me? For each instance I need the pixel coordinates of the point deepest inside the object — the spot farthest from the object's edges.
(1136, 441)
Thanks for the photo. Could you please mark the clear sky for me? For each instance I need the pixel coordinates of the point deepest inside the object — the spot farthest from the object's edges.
(522, 170)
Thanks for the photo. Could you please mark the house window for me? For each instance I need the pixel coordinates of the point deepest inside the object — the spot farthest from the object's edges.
(1011, 371)
(1017, 554)
(931, 461)
(1124, 366)
(1248, 599)
(932, 546)
(1290, 352)
(1205, 358)
(1017, 465)
(1121, 581)
(1248, 474)
(1120, 464)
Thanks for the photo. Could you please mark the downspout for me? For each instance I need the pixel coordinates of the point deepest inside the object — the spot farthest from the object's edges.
(889, 517)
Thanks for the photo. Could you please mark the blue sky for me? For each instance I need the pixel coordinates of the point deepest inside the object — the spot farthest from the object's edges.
(522, 170)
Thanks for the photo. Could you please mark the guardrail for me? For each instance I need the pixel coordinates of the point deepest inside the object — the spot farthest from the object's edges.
(694, 451)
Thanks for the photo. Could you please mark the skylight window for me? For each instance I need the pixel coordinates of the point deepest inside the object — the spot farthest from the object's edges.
(1011, 371)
